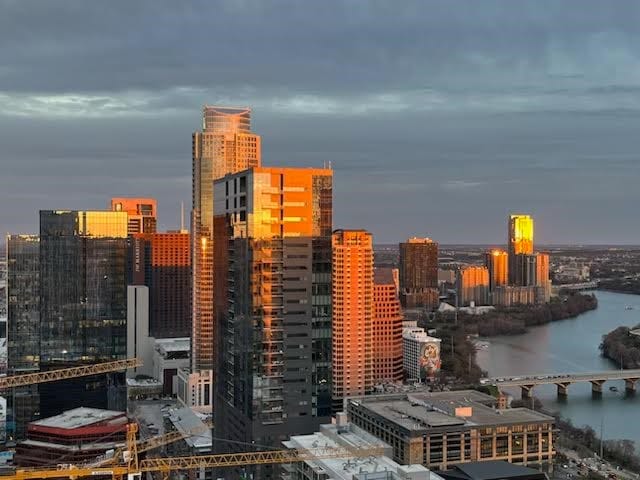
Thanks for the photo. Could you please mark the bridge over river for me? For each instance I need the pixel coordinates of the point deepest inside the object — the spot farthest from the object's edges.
(563, 380)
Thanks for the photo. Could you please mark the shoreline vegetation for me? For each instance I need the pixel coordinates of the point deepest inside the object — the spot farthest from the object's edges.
(620, 285)
(457, 349)
(517, 320)
(585, 441)
(622, 347)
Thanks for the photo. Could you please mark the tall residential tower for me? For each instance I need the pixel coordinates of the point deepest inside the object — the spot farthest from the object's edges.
(419, 273)
(352, 285)
(225, 145)
(273, 306)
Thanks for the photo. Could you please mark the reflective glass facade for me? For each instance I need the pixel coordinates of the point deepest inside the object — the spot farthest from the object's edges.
(225, 145)
(23, 328)
(273, 304)
(83, 303)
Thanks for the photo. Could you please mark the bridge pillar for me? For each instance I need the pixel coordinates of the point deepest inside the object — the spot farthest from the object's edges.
(526, 391)
(596, 386)
(563, 389)
(630, 385)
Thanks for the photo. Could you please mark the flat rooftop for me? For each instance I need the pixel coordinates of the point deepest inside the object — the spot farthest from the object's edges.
(350, 468)
(178, 344)
(79, 417)
(420, 411)
(197, 433)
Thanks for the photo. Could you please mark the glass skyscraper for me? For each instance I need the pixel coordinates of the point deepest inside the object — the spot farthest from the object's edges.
(83, 305)
(225, 145)
(273, 305)
(23, 328)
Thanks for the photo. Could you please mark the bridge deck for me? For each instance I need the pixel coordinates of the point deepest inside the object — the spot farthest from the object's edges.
(556, 378)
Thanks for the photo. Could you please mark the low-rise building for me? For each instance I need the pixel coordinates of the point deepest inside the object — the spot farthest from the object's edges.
(345, 435)
(197, 438)
(195, 390)
(74, 436)
(169, 356)
(442, 429)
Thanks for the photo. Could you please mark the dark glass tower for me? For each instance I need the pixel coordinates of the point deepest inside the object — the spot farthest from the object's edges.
(23, 323)
(83, 305)
(273, 307)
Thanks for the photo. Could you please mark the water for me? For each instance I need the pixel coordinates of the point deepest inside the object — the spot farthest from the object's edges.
(572, 346)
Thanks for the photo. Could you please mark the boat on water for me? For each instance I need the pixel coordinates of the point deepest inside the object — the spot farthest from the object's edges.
(628, 307)
(613, 389)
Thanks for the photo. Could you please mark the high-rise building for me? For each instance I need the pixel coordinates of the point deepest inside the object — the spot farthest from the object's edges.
(419, 273)
(23, 327)
(352, 287)
(520, 242)
(162, 262)
(542, 275)
(273, 305)
(225, 145)
(142, 213)
(523, 269)
(83, 305)
(473, 286)
(387, 327)
(497, 262)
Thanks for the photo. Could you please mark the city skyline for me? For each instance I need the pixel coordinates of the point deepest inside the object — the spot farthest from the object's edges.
(499, 116)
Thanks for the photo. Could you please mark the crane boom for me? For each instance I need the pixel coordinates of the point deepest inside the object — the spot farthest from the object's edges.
(201, 461)
(64, 373)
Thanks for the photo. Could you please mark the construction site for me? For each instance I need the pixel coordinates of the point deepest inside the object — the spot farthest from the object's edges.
(95, 443)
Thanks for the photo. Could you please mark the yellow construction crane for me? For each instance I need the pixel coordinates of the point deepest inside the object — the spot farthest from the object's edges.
(149, 444)
(133, 468)
(64, 373)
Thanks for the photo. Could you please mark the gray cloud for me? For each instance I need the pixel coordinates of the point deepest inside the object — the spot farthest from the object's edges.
(438, 118)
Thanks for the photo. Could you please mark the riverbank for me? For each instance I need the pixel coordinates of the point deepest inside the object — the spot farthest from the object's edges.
(586, 443)
(620, 285)
(622, 347)
(518, 320)
(572, 346)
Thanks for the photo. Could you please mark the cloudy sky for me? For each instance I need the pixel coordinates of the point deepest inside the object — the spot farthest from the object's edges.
(438, 117)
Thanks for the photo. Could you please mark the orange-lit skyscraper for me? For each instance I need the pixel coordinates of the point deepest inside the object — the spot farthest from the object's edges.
(273, 305)
(162, 261)
(387, 327)
(497, 262)
(520, 239)
(542, 277)
(352, 286)
(225, 145)
(142, 213)
(419, 273)
(520, 234)
(473, 286)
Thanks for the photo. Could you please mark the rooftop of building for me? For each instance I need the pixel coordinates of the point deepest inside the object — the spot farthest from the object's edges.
(178, 344)
(371, 467)
(492, 470)
(420, 411)
(419, 240)
(275, 169)
(418, 334)
(383, 276)
(80, 417)
(192, 425)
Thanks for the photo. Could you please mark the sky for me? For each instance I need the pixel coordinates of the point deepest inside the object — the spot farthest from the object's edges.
(439, 118)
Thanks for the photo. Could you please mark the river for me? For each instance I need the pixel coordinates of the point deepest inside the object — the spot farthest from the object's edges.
(572, 346)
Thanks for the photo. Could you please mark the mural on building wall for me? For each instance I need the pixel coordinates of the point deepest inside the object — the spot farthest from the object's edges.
(430, 359)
